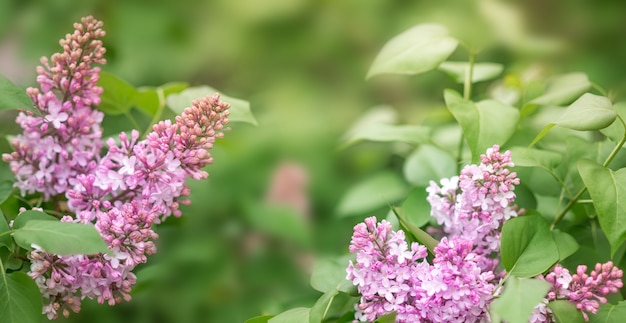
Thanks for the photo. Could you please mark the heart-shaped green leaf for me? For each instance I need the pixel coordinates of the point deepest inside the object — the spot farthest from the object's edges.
(330, 274)
(565, 312)
(428, 163)
(62, 238)
(118, 96)
(374, 192)
(519, 298)
(20, 299)
(484, 124)
(481, 72)
(607, 189)
(566, 244)
(417, 50)
(563, 89)
(415, 208)
(527, 247)
(589, 112)
(13, 97)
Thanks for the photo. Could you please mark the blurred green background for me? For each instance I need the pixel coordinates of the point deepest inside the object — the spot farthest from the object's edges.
(245, 245)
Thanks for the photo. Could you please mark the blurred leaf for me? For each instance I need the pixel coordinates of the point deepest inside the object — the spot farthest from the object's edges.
(319, 311)
(149, 99)
(62, 238)
(417, 50)
(239, 109)
(13, 97)
(387, 318)
(281, 221)
(609, 313)
(259, 319)
(478, 120)
(607, 189)
(566, 244)
(4, 227)
(8, 126)
(299, 314)
(29, 215)
(389, 133)
(6, 188)
(118, 97)
(527, 247)
(428, 163)
(416, 208)
(530, 157)
(616, 130)
(563, 89)
(482, 71)
(565, 312)
(519, 298)
(20, 299)
(420, 235)
(374, 192)
(589, 112)
(330, 274)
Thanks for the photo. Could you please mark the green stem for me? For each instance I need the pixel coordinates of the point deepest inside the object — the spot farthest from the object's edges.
(582, 191)
(467, 95)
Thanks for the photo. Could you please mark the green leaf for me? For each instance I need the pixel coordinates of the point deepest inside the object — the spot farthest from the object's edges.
(389, 133)
(294, 315)
(428, 163)
(4, 227)
(330, 274)
(62, 238)
(565, 312)
(20, 299)
(566, 244)
(482, 71)
(420, 235)
(415, 208)
(616, 130)
(13, 97)
(417, 50)
(519, 298)
(607, 189)
(609, 313)
(118, 97)
(29, 215)
(542, 134)
(319, 311)
(530, 157)
(374, 192)
(150, 99)
(239, 109)
(484, 124)
(589, 112)
(387, 318)
(563, 89)
(527, 247)
(6, 188)
(259, 319)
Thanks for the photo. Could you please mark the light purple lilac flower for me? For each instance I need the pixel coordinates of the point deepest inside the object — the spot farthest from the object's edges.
(137, 183)
(475, 205)
(390, 276)
(586, 292)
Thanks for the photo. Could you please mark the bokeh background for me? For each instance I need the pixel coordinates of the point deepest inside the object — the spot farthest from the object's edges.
(270, 206)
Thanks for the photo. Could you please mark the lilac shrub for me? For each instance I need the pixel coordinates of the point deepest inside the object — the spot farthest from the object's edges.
(464, 276)
(136, 183)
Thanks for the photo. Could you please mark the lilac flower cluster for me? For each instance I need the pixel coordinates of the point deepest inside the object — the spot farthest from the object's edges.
(136, 184)
(584, 291)
(475, 205)
(63, 138)
(390, 276)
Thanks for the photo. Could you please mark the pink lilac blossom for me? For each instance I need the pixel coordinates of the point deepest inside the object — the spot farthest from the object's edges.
(62, 138)
(390, 276)
(137, 183)
(586, 292)
(475, 204)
